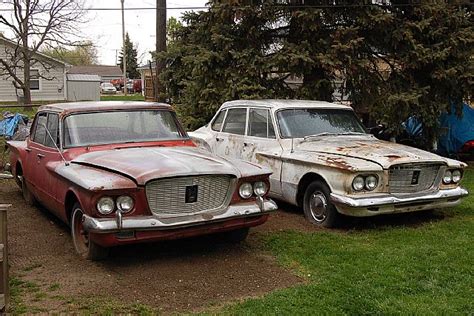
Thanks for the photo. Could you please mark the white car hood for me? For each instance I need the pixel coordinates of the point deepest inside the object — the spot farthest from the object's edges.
(367, 147)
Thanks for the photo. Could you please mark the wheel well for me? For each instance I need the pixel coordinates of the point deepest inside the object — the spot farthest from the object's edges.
(306, 180)
(18, 168)
(71, 199)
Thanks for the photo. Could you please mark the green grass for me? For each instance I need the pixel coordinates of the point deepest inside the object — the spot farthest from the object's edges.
(423, 269)
(132, 97)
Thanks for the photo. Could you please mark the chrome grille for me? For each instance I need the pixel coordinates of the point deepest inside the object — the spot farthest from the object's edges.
(402, 177)
(168, 196)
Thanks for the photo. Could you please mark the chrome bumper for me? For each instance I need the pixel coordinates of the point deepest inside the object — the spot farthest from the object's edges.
(388, 199)
(121, 223)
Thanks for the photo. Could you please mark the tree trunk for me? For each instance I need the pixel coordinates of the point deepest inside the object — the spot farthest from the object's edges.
(26, 85)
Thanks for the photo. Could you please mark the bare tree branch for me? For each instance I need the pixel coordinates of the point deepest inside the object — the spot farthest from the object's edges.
(36, 24)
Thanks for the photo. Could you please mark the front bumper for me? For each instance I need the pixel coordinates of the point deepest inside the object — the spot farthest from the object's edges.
(155, 223)
(388, 203)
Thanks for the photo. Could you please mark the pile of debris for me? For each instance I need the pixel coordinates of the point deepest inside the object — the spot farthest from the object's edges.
(14, 126)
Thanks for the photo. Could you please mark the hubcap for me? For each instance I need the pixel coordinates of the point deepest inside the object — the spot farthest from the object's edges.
(318, 206)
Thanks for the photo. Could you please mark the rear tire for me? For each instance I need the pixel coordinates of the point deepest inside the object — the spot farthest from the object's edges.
(236, 236)
(86, 248)
(27, 195)
(317, 206)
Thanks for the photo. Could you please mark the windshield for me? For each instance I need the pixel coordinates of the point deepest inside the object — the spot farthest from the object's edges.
(299, 123)
(88, 129)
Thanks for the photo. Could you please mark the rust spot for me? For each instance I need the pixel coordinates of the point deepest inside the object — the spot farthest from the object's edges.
(338, 163)
(207, 216)
(393, 157)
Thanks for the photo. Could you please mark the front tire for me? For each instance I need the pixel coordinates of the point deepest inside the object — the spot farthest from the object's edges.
(86, 248)
(317, 206)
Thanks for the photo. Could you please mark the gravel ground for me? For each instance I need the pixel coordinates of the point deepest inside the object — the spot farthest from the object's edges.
(185, 275)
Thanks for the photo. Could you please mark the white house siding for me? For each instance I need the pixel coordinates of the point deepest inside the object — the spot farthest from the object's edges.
(49, 89)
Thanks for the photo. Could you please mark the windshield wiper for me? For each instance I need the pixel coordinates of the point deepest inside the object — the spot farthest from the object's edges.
(332, 134)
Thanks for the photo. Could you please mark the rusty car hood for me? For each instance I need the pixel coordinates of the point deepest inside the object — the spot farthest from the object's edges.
(368, 148)
(147, 163)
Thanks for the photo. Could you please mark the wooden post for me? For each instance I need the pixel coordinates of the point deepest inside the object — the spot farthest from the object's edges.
(4, 286)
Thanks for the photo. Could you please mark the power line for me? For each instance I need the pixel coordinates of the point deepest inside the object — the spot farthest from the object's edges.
(336, 6)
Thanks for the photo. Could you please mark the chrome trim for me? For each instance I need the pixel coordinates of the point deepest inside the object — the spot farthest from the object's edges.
(153, 222)
(389, 199)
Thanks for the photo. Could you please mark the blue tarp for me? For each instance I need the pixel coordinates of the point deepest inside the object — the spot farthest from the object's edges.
(456, 130)
(8, 126)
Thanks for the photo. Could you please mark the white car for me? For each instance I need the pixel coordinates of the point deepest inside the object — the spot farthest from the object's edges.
(107, 88)
(324, 161)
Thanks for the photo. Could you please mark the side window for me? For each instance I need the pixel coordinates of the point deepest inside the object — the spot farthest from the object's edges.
(53, 129)
(260, 124)
(217, 124)
(34, 79)
(235, 121)
(40, 129)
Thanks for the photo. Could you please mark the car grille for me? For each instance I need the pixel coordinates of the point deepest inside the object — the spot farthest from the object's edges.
(172, 196)
(412, 178)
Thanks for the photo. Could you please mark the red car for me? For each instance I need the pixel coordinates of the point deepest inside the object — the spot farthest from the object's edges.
(127, 172)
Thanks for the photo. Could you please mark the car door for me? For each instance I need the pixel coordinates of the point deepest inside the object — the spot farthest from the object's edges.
(229, 141)
(261, 146)
(215, 128)
(32, 173)
(43, 156)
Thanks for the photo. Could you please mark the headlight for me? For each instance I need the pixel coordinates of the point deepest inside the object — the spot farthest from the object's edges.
(245, 190)
(359, 183)
(260, 188)
(456, 175)
(448, 177)
(124, 203)
(371, 183)
(105, 205)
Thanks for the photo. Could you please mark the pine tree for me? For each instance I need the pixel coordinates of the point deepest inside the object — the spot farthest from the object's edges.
(132, 63)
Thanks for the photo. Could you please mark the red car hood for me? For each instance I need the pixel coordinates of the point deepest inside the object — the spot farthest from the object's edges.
(147, 163)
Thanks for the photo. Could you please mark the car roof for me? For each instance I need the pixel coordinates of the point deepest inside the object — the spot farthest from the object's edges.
(280, 104)
(101, 106)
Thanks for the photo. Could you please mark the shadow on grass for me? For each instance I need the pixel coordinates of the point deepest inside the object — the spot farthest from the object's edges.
(411, 219)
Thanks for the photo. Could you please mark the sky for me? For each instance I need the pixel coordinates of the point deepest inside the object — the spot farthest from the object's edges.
(104, 28)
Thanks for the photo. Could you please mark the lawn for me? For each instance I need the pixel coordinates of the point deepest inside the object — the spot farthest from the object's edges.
(409, 269)
(130, 97)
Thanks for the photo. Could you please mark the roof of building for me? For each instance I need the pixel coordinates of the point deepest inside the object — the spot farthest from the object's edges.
(12, 43)
(279, 104)
(147, 66)
(87, 106)
(80, 77)
(100, 70)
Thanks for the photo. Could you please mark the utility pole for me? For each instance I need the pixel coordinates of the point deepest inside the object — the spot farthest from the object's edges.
(124, 51)
(160, 46)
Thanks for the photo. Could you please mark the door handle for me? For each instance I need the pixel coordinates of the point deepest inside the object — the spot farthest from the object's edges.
(40, 156)
(28, 150)
(219, 139)
(248, 144)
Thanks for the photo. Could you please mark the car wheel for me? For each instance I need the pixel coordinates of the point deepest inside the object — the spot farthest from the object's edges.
(236, 236)
(86, 248)
(27, 195)
(317, 207)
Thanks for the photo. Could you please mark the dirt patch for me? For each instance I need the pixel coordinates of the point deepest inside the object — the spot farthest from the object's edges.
(183, 275)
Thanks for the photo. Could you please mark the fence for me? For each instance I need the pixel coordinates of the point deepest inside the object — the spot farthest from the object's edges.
(4, 287)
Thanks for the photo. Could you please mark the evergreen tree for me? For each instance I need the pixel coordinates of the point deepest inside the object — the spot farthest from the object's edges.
(132, 63)
(398, 60)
